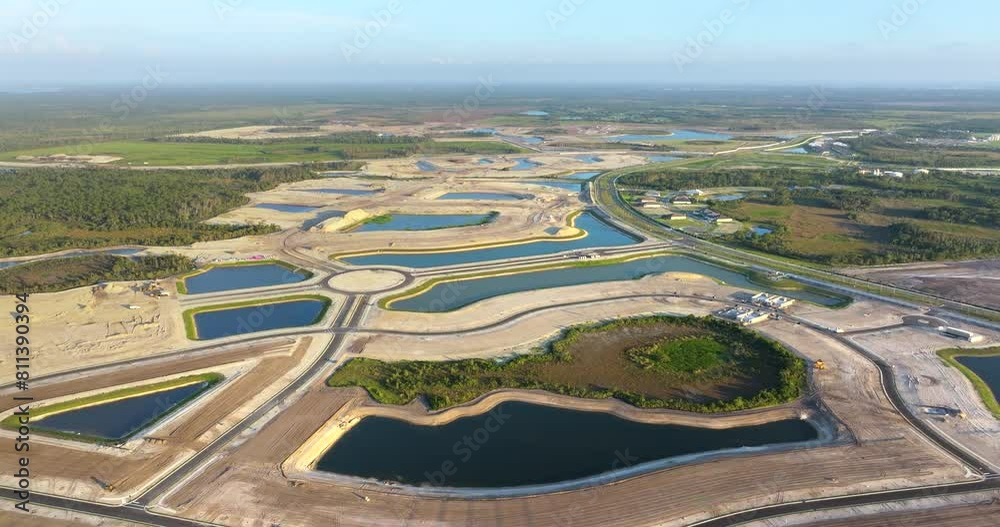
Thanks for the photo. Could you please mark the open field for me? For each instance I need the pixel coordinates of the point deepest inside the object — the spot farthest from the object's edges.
(976, 282)
(609, 360)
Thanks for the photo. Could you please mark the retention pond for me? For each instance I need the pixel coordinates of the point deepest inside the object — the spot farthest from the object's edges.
(252, 319)
(230, 278)
(120, 419)
(449, 296)
(518, 444)
(600, 234)
(987, 368)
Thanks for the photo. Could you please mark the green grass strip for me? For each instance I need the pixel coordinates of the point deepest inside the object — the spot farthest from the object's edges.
(11, 423)
(949, 356)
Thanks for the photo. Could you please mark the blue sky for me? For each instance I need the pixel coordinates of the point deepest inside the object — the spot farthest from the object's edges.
(736, 41)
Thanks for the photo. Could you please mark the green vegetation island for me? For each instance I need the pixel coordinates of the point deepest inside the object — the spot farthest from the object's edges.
(691, 364)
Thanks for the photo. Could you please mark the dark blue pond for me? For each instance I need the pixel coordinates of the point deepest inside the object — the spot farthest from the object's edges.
(491, 196)
(449, 296)
(418, 222)
(589, 159)
(600, 234)
(242, 277)
(293, 209)
(253, 319)
(518, 444)
(987, 368)
(120, 419)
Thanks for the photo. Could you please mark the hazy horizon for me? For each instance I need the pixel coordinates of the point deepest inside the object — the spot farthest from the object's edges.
(718, 42)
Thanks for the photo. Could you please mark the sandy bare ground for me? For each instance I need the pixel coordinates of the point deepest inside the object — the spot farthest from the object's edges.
(91, 325)
(925, 380)
(964, 510)
(46, 517)
(84, 471)
(972, 282)
(888, 455)
(60, 159)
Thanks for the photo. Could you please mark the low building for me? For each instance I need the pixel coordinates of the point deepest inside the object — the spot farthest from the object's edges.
(964, 335)
(723, 219)
(995, 138)
(743, 315)
(683, 200)
(652, 194)
(921, 171)
(893, 173)
(772, 301)
(653, 205)
(676, 216)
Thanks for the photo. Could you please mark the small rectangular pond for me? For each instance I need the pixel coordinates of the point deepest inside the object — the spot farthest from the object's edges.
(233, 277)
(676, 135)
(518, 444)
(662, 159)
(291, 209)
(118, 420)
(484, 196)
(449, 296)
(222, 323)
(420, 222)
(427, 166)
(341, 191)
(600, 234)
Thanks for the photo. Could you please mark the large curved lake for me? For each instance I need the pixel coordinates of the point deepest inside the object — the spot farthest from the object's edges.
(424, 222)
(518, 444)
(449, 296)
(600, 234)
(118, 420)
(242, 277)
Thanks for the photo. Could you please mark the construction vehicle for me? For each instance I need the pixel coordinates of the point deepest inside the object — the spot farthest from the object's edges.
(820, 365)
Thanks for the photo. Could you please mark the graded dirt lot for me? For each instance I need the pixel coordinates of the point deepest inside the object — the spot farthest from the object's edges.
(92, 325)
(45, 517)
(972, 282)
(88, 471)
(984, 515)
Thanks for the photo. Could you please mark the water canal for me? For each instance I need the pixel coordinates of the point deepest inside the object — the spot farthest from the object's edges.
(449, 296)
(600, 234)
(518, 444)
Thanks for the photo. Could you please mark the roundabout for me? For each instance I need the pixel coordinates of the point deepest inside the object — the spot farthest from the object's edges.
(367, 281)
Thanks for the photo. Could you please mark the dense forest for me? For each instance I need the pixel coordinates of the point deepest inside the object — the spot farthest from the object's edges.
(67, 273)
(898, 214)
(48, 210)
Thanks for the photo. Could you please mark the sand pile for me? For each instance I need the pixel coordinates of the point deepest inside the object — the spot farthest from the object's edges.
(353, 217)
